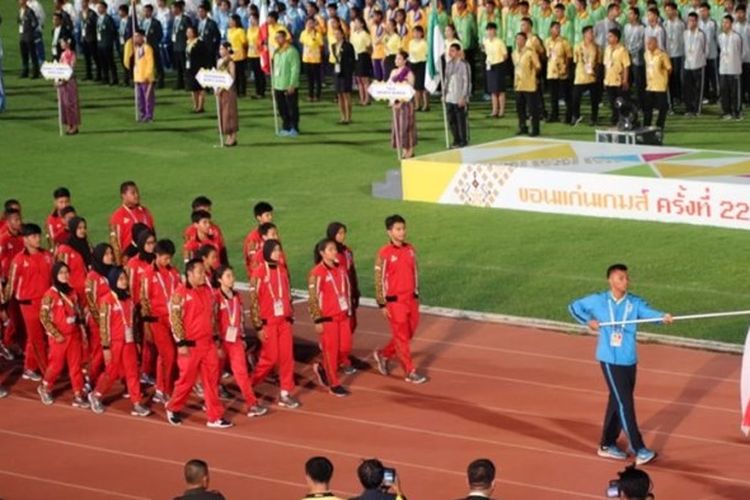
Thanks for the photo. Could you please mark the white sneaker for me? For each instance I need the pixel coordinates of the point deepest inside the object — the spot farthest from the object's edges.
(219, 424)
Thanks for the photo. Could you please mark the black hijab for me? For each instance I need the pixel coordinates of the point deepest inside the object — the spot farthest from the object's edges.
(97, 259)
(80, 245)
(268, 247)
(112, 277)
(132, 250)
(140, 242)
(62, 287)
(333, 230)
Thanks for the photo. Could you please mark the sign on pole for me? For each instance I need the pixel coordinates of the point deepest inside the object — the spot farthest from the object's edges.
(389, 91)
(56, 71)
(216, 80)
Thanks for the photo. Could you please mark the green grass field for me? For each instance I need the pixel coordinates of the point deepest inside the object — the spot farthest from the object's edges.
(490, 260)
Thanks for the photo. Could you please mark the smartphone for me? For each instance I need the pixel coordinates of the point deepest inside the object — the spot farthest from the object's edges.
(389, 476)
(613, 490)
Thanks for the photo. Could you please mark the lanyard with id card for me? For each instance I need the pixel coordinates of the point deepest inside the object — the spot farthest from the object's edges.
(278, 299)
(340, 295)
(232, 329)
(615, 338)
(128, 322)
(69, 319)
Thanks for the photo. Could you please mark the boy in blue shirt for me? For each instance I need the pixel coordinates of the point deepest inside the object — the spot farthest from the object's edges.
(616, 351)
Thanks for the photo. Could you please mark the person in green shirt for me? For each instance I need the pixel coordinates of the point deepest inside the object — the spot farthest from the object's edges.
(566, 24)
(511, 21)
(490, 14)
(466, 27)
(581, 20)
(543, 19)
(286, 67)
(597, 11)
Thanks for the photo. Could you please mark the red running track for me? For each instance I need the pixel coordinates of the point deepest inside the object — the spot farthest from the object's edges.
(530, 400)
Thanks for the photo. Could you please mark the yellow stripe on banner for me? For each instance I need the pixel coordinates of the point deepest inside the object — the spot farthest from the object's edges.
(426, 180)
(562, 151)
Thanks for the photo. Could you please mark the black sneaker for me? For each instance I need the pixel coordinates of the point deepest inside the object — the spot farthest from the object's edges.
(349, 370)
(289, 401)
(5, 353)
(140, 411)
(3, 392)
(256, 410)
(220, 424)
(339, 391)
(174, 418)
(224, 393)
(320, 374)
(415, 378)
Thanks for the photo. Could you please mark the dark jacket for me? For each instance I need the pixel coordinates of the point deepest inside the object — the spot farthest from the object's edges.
(28, 23)
(199, 58)
(211, 36)
(179, 29)
(345, 59)
(374, 494)
(106, 32)
(89, 26)
(154, 34)
(66, 34)
(200, 494)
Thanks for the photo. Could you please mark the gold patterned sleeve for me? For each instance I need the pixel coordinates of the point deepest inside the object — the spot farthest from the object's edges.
(313, 304)
(45, 317)
(255, 318)
(104, 316)
(175, 318)
(90, 293)
(8, 293)
(379, 273)
(114, 240)
(145, 300)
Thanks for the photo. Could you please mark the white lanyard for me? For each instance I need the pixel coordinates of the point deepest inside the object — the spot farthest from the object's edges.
(133, 216)
(128, 321)
(270, 288)
(231, 311)
(338, 293)
(67, 300)
(167, 294)
(624, 314)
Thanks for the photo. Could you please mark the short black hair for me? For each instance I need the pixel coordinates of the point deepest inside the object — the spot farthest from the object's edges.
(634, 483)
(522, 35)
(204, 251)
(528, 20)
(61, 192)
(729, 18)
(189, 266)
(164, 247)
(199, 215)
(616, 32)
(67, 210)
(612, 6)
(693, 14)
(637, 12)
(201, 201)
(11, 211)
(653, 10)
(587, 28)
(319, 469)
(456, 46)
(266, 227)
(491, 26)
(149, 7)
(127, 185)
(670, 4)
(262, 207)
(616, 267)
(29, 229)
(195, 469)
(11, 203)
(706, 5)
(419, 28)
(481, 473)
(391, 220)
(371, 473)
(740, 8)
(559, 6)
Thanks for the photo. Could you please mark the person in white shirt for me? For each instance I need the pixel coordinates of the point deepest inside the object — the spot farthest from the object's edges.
(695, 66)
(634, 40)
(654, 29)
(730, 70)
(674, 28)
(708, 27)
(742, 28)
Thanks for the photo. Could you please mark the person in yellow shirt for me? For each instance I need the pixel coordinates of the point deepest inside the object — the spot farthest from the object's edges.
(559, 58)
(658, 69)
(402, 29)
(495, 65)
(587, 57)
(312, 57)
(526, 66)
(253, 55)
(362, 43)
(392, 46)
(418, 63)
(237, 38)
(377, 32)
(143, 76)
(535, 43)
(616, 71)
(416, 16)
(273, 27)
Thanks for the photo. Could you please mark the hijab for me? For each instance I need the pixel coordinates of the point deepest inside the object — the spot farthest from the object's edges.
(62, 287)
(112, 277)
(332, 231)
(97, 259)
(80, 245)
(137, 229)
(140, 242)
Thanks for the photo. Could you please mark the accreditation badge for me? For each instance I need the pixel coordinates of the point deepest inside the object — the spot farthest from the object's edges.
(278, 308)
(615, 339)
(129, 338)
(343, 303)
(231, 334)
(337, 68)
(71, 320)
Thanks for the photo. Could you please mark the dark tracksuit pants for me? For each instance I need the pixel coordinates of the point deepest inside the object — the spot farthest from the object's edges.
(692, 90)
(711, 87)
(527, 106)
(594, 93)
(613, 92)
(745, 83)
(457, 118)
(620, 414)
(560, 88)
(731, 99)
(658, 101)
(258, 76)
(675, 81)
(288, 109)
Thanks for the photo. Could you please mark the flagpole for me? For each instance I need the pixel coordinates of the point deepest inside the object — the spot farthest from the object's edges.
(678, 318)
(273, 93)
(441, 71)
(218, 117)
(132, 44)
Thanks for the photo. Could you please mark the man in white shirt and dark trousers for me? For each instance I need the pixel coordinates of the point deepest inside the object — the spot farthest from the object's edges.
(634, 40)
(675, 27)
(695, 66)
(709, 28)
(730, 70)
(742, 28)
(457, 94)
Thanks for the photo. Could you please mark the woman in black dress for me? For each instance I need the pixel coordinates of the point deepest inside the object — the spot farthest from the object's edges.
(343, 54)
(196, 57)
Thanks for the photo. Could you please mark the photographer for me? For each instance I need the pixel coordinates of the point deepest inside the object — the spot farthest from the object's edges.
(379, 482)
(634, 484)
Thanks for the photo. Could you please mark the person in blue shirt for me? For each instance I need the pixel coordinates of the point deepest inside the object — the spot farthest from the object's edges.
(616, 351)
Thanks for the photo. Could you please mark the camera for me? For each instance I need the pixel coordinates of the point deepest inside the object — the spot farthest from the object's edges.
(613, 490)
(389, 476)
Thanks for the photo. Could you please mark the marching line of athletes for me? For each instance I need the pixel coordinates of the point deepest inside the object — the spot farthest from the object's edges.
(121, 310)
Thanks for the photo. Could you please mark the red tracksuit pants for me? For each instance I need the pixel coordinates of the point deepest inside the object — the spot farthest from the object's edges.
(68, 352)
(13, 329)
(203, 359)
(166, 365)
(148, 351)
(36, 346)
(124, 362)
(335, 346)
(404, 321)
(96, 355)
(277, 349)
(237, 360)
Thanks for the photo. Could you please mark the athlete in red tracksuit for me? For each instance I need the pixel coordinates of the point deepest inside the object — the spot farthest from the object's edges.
(11, 244)
(137, 266)
(29, 279)
(76, 253)
(272, 316)
(330, 307)
(193, 315)
(159, 284)
(116, 321)
(124, 218)
(57, 228)
(337, 231)
(61, 315)
(231, 326)
(201, 235)
(397, 294)
(253, 244)
(96, 287)
(214, 231)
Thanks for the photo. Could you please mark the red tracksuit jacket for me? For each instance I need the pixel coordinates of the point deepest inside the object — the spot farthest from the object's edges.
(76, 264)
(121, 226)
(60, 313)
(115, 319)
(267, 285)
(57, 229)
(136, 272)
(193, 245)
(157, 288)
(193, 314)
(10, 246)
(230, 314)
(96, 287)
(191, 233)
(330, 292)
(252, 246)
(30, 275)
(396, 277)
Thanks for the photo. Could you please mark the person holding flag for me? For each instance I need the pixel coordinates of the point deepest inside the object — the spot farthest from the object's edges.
(617, 354)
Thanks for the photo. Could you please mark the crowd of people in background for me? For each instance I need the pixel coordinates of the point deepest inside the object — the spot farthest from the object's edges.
(665, 56)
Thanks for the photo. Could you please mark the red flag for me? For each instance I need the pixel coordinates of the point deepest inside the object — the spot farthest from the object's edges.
(265, 61)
